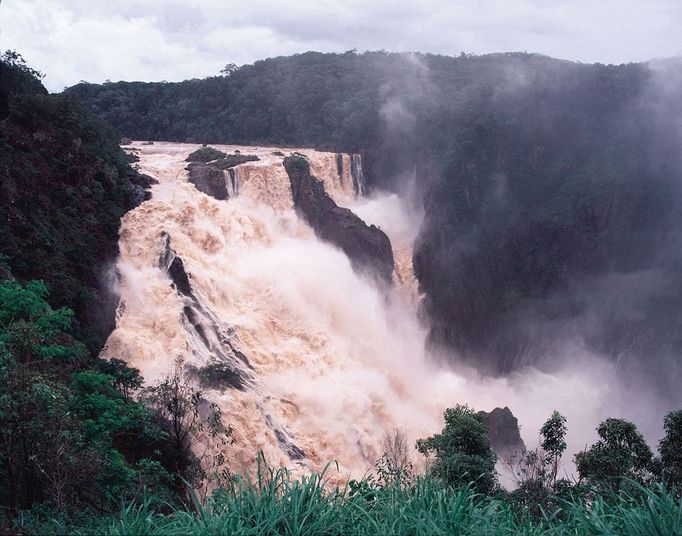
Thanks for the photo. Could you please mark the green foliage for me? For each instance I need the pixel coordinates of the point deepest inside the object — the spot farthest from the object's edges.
(30, 329)
(62, 425)
(553, 434)
(188, 418)
(125, 379)
(64, 185)
(462, 450)
(205, 154)
(278, 504)
(272, 102)
(670, 449)
(621, 454)
(40, 441)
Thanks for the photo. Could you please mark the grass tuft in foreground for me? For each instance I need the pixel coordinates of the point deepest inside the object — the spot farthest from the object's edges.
(280, 504)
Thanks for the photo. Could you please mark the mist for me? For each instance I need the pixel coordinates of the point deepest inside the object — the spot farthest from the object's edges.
(608, 333)
(335, 359)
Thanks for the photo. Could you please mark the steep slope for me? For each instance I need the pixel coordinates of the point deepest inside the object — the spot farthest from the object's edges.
(366, 246)
(64, 185)
(71, 433)
(555, 222)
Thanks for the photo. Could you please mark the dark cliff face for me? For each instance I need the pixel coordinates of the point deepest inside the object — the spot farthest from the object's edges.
(503, 432)
(208, 179)
(555, 219)
(64, 186)
(367, 247)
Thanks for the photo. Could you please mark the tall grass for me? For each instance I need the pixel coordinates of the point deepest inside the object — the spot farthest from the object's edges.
(280, 504)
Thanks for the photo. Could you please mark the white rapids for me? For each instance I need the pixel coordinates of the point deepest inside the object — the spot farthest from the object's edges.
(335, 361)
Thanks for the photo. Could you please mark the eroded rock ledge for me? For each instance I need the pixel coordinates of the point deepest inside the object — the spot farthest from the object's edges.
(207, 168)
(367, 246)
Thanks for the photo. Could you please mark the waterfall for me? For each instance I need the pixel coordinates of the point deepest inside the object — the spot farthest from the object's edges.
(317, 361)
(233, 182)
(357, 174)
(339, 166)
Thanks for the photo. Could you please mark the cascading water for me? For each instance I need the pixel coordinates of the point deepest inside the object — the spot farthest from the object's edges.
(320, 361)
(233, 182)
(357, 174)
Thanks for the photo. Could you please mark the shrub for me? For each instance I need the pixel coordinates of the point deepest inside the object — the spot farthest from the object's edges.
(233, 160)
(205, 154)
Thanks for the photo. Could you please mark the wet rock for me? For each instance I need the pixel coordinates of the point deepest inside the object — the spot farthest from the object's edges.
(284, 438)
(503, 432)
(141, 184)
(213, 341)
(208, 179)
(232, 160)
(366, 246)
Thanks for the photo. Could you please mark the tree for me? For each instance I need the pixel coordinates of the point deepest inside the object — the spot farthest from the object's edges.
(621, 453)
(69, 434)
(395, 464)
(229, 69)
(190, 422)
(462, 450)
(12, 57)
(553, 434)
(30, 330)
(670, 449)
(35, 421)
(126, 379)
(536, 470)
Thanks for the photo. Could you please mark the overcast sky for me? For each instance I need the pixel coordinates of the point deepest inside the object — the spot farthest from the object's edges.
(95, 40)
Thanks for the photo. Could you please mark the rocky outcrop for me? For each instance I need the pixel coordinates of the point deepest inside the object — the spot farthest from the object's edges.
(214, 341)
(367, 246)
(141, 185)
(232, 160)
(205, 154)
(208, 179)
(503, 432)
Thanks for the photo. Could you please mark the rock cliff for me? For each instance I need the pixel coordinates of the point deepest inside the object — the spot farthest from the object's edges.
(366, 246)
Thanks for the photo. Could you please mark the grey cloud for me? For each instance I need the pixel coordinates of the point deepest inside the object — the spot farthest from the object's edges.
(78, 39)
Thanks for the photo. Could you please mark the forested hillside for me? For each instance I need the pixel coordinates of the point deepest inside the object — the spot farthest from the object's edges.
(550, 188)
(551, 193)
(65, 184)
(72, 435)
